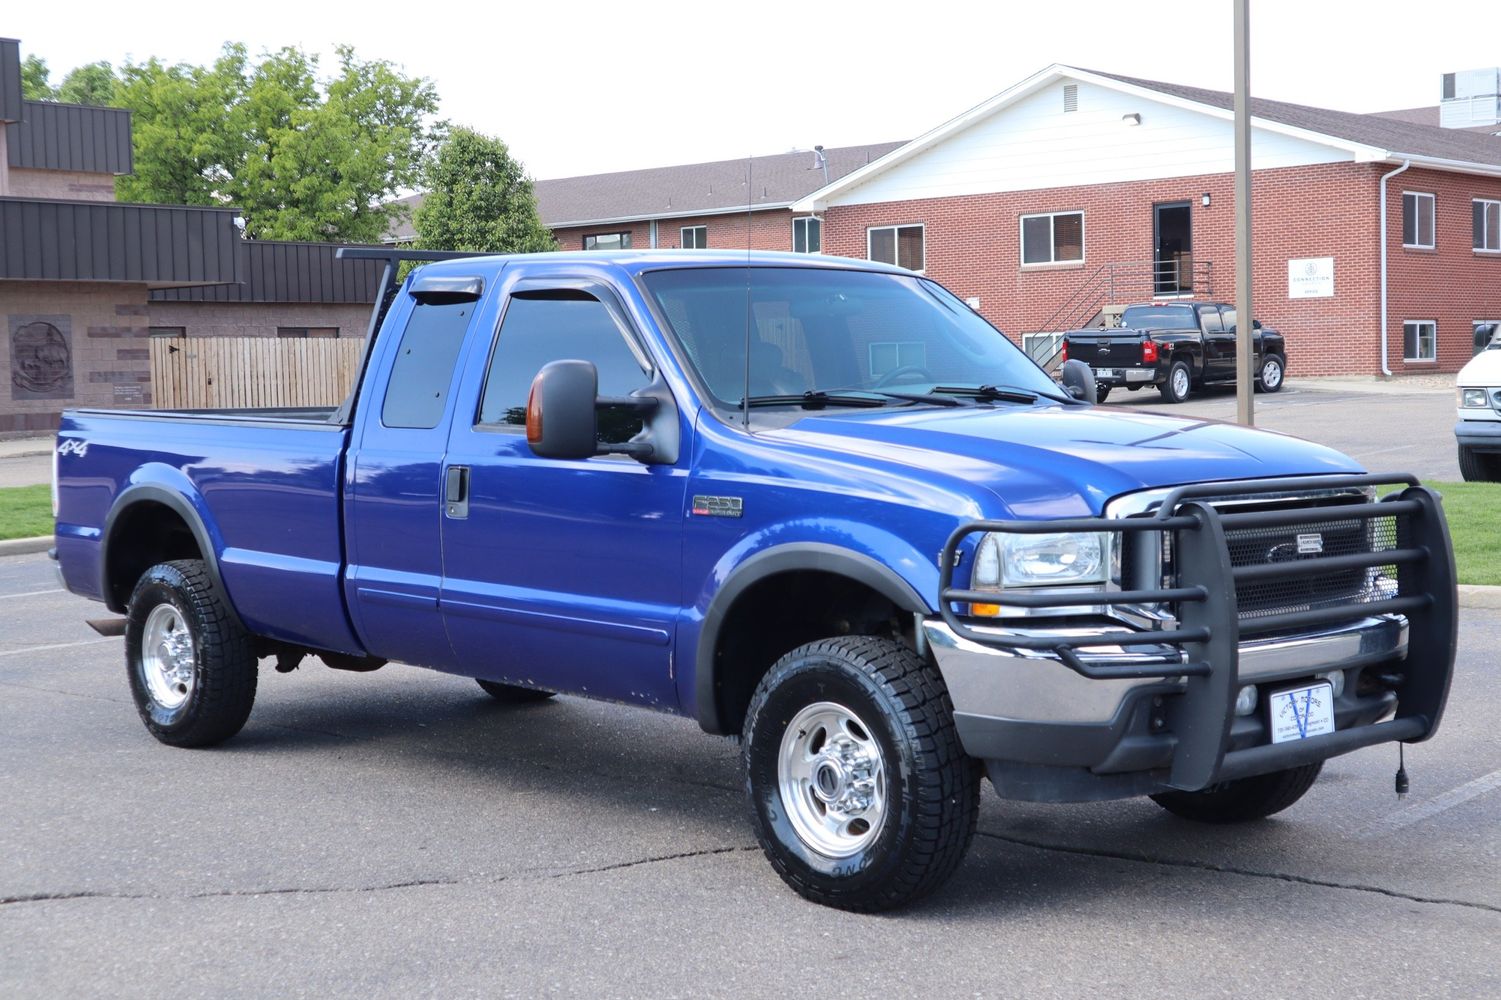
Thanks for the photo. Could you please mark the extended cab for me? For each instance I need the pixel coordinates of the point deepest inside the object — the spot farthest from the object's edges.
(814, 503)
(1174, 346)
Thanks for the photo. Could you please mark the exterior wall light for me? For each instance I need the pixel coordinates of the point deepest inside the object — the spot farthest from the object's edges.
(1205, 199)
(1131, 119)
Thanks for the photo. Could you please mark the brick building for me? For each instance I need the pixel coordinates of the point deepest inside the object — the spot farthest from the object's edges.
(86, 281)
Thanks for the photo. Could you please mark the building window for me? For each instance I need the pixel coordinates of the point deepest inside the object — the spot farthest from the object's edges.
(899, 245)
(807, 235)
(693, 237)
(607, 241)
(168, 331)
(1417, 220)
(1042, 347)
(1487, 223)
(1053, 239)
(1419, 340)
(303, 332)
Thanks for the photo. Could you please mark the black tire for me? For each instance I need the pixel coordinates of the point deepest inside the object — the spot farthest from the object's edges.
(1272, 375)
(209, 698)
(932, 789)
(1244, 799)
(1101, 393)
(1175, 388)
(1476, 467)
(513, 694)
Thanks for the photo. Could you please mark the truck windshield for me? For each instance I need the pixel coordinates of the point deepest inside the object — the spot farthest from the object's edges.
(1159, 318)
(820, 330)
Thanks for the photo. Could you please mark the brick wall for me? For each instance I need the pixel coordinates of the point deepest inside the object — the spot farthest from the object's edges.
(258, 319)
(1327, 210)
(1452, 284)
(769, 230)
(103, 359)
(62, 185)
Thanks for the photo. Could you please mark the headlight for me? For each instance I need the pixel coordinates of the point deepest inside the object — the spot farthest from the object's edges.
(1010, 560)
(1472, 398)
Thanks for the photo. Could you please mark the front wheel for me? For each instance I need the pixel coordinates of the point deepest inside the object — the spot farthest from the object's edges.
(1270, 377)
(1475, 467)
(192, 667)
(861, 796)
(1179, 382)
(1243, 799)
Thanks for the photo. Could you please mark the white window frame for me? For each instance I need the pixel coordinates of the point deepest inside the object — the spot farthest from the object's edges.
(683, 232)
(920, 361)
(1052, 341)
(897, 243)
(1021, 247)
(1433, 340)
(625, 240)
(1417, 220)
(807, 221)
(1489, 238)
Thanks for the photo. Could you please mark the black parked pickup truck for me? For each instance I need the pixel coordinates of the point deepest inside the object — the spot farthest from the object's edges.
(1174, 346)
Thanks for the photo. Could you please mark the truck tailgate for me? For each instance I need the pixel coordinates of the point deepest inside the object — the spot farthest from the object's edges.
(1105, 349)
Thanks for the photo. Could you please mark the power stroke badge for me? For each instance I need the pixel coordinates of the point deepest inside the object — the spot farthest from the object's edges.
(717, 506)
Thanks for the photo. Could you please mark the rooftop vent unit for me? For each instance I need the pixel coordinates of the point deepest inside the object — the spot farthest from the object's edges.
(1471, 98)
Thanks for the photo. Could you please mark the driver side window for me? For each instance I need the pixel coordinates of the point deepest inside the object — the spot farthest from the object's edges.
(540, 327)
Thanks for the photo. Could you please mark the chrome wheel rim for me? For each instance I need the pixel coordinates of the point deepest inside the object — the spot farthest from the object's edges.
(1180, 382)
(167, 658)
(832, 780)
(1271, 375)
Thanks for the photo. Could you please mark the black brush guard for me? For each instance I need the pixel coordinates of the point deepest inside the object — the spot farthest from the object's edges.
(1209, 628)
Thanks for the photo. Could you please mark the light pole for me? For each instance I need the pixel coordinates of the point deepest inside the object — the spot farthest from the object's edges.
(1245, 327)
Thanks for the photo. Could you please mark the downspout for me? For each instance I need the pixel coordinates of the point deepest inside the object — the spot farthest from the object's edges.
(1385, 238)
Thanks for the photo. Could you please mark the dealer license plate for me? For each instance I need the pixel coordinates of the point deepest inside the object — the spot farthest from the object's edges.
(1301, 712)
(1107, 373)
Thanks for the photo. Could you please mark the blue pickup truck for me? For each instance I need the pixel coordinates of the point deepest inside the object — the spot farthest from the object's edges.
(817, 504)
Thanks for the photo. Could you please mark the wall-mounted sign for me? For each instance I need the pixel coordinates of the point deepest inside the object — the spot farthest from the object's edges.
(41, 357)
(1310, 278)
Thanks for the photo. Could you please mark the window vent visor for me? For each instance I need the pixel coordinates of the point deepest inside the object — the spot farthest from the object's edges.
(446, 289)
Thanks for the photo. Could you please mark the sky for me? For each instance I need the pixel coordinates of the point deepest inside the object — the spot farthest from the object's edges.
(584, 87)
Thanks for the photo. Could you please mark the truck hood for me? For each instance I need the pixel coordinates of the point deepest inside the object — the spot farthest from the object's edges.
(1484, 369)
(1061, 461)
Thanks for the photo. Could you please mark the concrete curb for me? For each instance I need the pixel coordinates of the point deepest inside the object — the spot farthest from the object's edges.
(1470, 595)
(26, 546)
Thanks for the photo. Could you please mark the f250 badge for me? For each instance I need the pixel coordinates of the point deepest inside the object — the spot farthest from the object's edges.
(717, 506)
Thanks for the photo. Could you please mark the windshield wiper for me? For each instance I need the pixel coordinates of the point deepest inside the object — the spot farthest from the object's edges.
(998, 393)
(812, 400)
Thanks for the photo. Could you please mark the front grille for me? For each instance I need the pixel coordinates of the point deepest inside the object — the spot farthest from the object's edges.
(1320, 588)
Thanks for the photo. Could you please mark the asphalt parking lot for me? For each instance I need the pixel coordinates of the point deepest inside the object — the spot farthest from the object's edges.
(399, 834)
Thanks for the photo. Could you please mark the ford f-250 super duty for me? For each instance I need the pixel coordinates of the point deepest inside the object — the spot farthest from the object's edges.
(815, 503)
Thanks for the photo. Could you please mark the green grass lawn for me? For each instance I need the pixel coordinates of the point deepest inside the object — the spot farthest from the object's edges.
(25, 511)
(1474, 511)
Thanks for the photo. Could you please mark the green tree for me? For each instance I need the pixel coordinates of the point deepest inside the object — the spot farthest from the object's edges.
(303, 158)
(479, 198)
(36, 84)
(93, 84)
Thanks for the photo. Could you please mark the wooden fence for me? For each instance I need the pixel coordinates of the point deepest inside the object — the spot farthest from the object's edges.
(249, 372)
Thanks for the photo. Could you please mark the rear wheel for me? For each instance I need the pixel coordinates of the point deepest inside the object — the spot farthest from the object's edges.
(192, 667)
(513, 694)
(1243, 799)
(1477, 467)
(1270, 377)
(861, 796)
(1179, 382)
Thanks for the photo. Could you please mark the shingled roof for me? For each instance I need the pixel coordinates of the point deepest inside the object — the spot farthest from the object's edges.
(720, 187)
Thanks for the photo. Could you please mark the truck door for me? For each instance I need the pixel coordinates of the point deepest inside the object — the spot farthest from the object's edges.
(1219, 345)
(393, 480)
(558, 574)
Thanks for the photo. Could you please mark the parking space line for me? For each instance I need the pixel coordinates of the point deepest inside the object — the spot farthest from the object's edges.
(57, 645)
(1416, 814)
(31, 593)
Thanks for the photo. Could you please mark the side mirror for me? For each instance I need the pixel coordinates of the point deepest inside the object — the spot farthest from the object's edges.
(1078, 379)
(1484, 334)
(560, 416)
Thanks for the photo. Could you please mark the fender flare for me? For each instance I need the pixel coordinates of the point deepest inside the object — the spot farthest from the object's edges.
(178, 504)
(792, 557)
